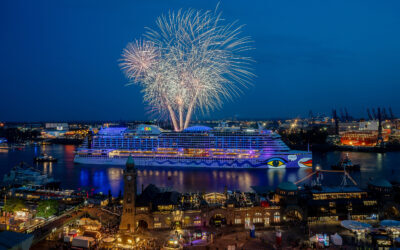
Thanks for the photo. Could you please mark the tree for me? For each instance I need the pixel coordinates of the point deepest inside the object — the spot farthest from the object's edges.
(47, 208)
(13, 205)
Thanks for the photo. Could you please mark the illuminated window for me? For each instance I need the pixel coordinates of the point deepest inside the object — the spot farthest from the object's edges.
(277, 217)
(257, 220)
(157, 225)
(369, 203)
(238, 221)
(266, 221)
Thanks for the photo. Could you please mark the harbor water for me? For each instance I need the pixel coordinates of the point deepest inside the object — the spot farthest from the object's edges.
(102, 178)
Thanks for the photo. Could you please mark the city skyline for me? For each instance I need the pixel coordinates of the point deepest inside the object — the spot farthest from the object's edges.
(60, 59)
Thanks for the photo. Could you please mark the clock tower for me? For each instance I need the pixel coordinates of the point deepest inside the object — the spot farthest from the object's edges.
(128, 222)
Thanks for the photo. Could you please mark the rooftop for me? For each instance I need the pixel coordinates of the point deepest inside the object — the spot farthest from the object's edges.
(130, 161)
(9, 239)
(381, 183)
(337, 189)
(198, 129)
(287, 186)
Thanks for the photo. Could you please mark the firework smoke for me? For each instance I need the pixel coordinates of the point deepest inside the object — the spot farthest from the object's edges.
(191, 62)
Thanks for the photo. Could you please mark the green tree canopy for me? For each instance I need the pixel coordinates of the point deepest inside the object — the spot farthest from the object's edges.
(13, 205)
(47, 208)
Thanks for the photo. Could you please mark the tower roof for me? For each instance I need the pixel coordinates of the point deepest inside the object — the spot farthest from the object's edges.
(381, 183)
(130, 162)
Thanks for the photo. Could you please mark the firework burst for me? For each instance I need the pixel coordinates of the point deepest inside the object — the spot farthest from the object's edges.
(191, 62)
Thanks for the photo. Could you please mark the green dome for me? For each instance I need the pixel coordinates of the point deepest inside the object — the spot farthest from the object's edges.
(130, 161)
(381, 183)
(287, 186)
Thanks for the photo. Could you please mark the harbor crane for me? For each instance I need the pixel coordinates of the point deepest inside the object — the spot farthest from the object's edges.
(369, 114)
(334, 116)
(374, 113)
(391, 114)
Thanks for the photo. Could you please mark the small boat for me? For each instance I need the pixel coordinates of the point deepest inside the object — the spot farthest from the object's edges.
(45, 158)
(346, 164)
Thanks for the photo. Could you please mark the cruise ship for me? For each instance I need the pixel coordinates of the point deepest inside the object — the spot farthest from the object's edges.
(196, 146)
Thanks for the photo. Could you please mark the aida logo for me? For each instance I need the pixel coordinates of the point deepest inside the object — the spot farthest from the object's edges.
(146, 128)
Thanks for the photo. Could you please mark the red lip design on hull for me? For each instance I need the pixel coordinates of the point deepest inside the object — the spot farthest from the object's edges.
(307, 163)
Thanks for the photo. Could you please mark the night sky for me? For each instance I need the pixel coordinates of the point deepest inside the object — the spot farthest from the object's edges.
(59, 59)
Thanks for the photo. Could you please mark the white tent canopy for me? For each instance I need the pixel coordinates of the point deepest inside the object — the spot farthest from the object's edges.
(390, 223)
(336, 239)
(355, 225)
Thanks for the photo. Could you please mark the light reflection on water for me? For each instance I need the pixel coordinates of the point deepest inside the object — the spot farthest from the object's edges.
(103, 178)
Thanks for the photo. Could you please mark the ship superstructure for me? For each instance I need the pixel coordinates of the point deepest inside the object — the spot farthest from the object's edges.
(197, 146)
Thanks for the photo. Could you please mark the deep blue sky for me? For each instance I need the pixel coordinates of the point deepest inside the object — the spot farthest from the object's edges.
(59, 59)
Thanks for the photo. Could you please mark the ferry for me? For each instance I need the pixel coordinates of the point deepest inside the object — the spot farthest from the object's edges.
(196, 146)
(346, 164)
(44, 158)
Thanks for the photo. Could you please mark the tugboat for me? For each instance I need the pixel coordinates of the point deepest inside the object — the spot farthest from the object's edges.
(346, 164)
(44, 158)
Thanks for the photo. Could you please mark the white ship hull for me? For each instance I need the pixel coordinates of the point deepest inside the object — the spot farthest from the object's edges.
(203, 163)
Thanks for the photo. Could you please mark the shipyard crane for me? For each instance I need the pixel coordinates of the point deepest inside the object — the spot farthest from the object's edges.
(384, 114)
(342, 115)
(347, 114)
(374, 113)
(380, 138)
(334, 116)
(369, 114)
(391, 113)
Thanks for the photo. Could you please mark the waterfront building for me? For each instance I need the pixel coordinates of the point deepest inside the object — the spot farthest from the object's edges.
(384, 193)
(14, 240)
(157, 209)
(55, 130)
(332, 204)
(364, 138)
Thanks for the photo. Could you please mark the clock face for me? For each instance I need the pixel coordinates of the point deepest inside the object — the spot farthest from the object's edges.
(129, 177)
